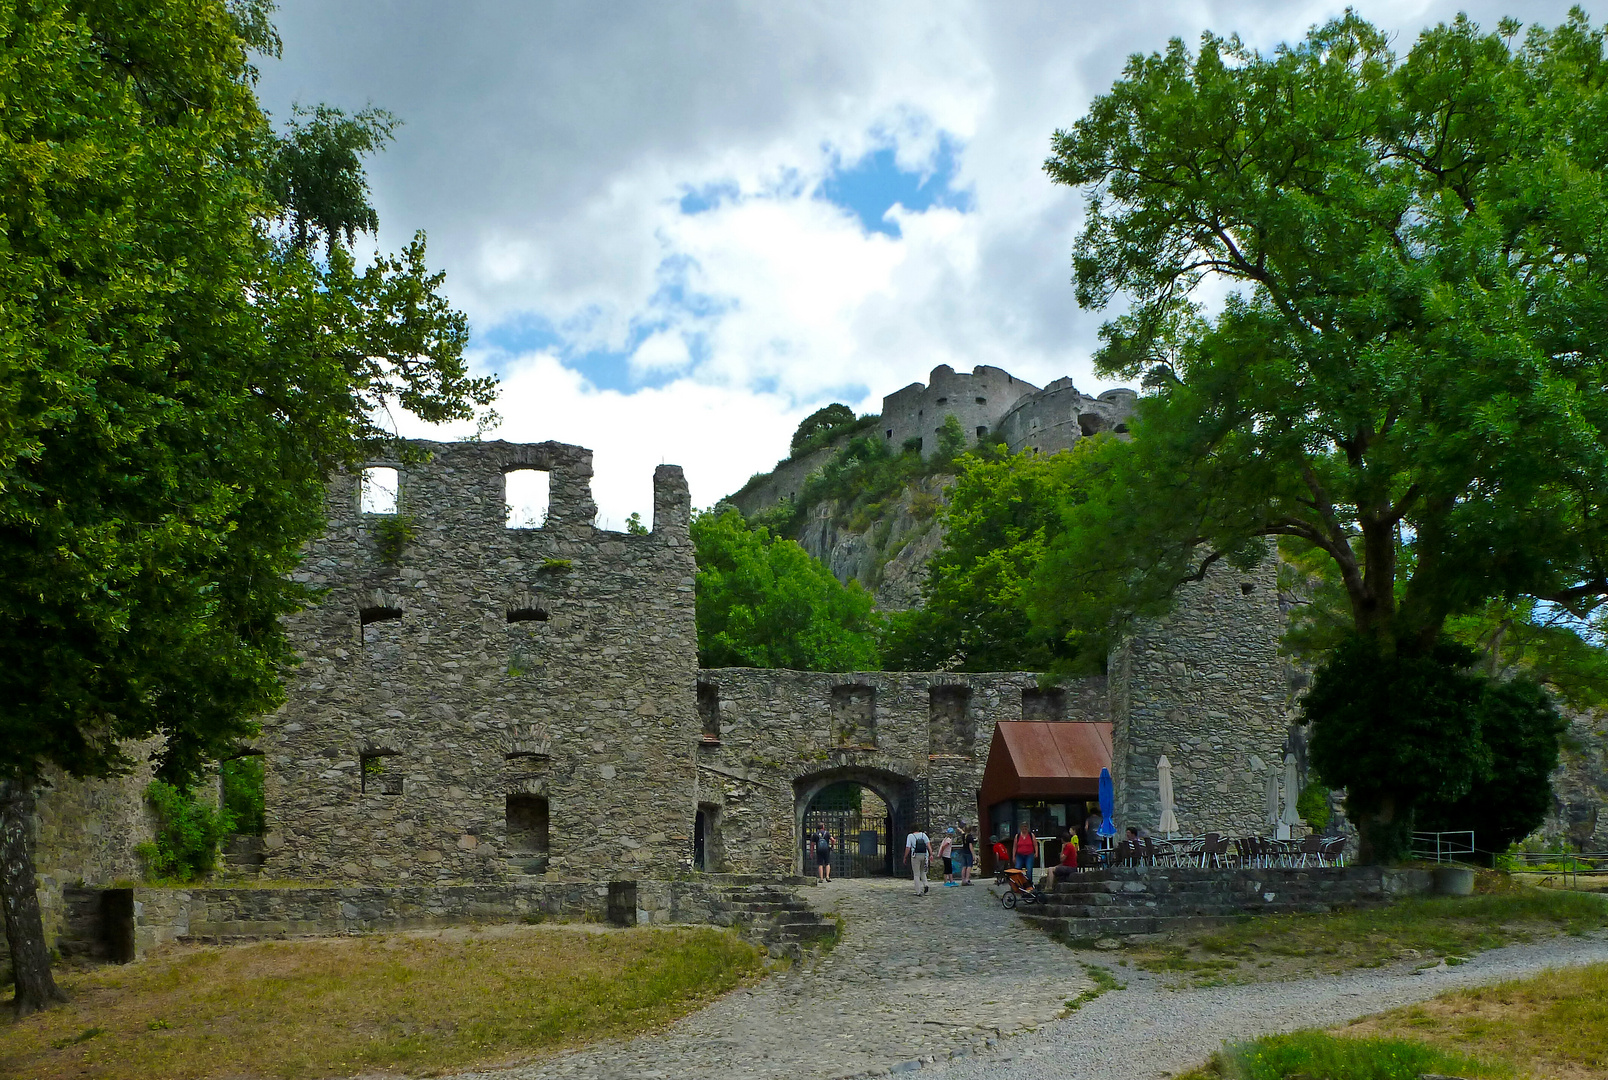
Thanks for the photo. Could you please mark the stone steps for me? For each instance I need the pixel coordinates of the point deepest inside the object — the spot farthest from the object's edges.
(774, 915)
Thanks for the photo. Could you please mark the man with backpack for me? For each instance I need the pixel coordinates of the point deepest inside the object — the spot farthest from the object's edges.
(917, 847)
(821, 841)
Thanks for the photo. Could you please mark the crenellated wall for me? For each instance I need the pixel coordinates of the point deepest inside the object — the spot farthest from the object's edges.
(978, 400)
(491, 685)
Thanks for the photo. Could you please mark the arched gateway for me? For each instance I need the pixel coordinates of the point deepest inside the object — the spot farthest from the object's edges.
(867, 811)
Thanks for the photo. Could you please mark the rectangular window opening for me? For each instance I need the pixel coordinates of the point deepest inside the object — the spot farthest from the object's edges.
(1044, 704)
(526, 495)
(378, 489)
(854, 715)
(982, 431)
(709, 711)
(527, 825)
(949, 721)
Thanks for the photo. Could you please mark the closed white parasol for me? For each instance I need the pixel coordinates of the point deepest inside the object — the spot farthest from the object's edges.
(1292, 793)
(1271, 806)
(1169, 821)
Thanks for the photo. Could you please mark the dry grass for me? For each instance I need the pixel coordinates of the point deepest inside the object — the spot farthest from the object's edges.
(401, 1002)
(1552, 1026)
(1416, 932)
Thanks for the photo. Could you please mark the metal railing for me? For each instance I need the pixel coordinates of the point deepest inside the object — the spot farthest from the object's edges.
(1568, 867)
(1441, 846)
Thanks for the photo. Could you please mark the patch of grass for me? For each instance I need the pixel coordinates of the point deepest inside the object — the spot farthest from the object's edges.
(1420, 929)
(1553, 1024)
(1104, 982)
(405, 1002)
(1315, 1054)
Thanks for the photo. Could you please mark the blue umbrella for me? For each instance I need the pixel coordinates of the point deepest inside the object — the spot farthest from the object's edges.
(1108, 803)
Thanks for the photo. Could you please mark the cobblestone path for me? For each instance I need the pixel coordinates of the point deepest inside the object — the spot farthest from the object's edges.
(913, 979)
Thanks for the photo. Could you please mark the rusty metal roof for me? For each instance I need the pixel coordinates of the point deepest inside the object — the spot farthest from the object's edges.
(1041, 759)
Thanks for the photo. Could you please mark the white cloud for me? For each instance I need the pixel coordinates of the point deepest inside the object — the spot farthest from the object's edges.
(546, 149)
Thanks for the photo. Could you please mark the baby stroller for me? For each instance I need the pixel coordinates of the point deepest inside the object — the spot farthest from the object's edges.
(1022, 889)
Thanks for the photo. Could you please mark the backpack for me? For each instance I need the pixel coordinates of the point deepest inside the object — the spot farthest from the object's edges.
(921, 844)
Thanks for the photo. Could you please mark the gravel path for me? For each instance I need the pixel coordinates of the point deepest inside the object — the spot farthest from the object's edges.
(1147, 1031)
(914, 977)
(950, 983)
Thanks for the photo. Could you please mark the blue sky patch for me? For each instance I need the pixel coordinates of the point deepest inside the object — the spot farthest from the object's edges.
(870, 187)
(698, 200)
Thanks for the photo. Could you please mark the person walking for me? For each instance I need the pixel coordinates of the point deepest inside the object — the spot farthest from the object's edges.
(917, 847)
(968, 853)
(821, 840)
(1026, 848)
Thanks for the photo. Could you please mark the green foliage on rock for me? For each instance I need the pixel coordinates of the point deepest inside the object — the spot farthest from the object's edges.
(188, 834)
(1409, 375)
(1313, 806)
(762, 601)
(979, 599)
(392, 535)
(819, 427)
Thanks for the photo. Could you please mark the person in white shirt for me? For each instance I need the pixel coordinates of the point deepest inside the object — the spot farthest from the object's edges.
(917, 848)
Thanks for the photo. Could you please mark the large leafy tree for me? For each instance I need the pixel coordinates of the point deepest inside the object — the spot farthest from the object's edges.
(178, 374)
(1407, 375)
(764, 602)
(978, 600)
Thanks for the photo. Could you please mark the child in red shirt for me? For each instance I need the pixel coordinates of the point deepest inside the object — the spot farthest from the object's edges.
(1002, 858)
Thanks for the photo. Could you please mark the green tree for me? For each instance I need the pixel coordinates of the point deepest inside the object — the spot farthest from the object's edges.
(819, 426)
(177, 380)
(1407, 374)
(764, 602)
(977, 601)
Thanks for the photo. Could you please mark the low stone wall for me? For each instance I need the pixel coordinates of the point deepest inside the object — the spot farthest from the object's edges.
(222, 915)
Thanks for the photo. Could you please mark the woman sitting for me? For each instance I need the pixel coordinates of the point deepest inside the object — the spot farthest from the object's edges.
(1069, 860)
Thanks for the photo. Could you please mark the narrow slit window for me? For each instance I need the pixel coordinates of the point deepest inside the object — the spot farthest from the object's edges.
(378, 490)
(709, 711)
(527, 614)
(526, 494)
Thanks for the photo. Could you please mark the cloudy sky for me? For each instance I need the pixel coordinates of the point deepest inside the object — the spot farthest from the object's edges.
(678, 228)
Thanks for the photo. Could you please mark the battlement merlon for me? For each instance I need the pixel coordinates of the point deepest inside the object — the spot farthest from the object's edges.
(672, 501)
(464, 484)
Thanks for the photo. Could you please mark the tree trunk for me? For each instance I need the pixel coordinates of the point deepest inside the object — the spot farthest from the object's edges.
(1384, 834)
(19, 894)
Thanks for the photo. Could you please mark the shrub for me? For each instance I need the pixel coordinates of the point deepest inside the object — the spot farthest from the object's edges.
(187, 837)
(242, 793)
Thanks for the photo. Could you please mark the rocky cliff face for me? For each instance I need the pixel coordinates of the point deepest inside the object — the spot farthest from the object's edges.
(887, 555)
(1580, 786)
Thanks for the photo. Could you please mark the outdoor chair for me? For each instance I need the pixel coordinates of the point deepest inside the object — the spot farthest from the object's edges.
(1147, 854)
(1163, 853)
(1214, 849)
(1332, 851)
(1245, 850)
(1193, 854)
(1312, 849)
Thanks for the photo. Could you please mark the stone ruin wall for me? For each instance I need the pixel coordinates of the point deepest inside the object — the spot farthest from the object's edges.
(1205, 686)
(773, 739)
(555, 663)
(85, 833)
(1056, 417)
(978, 400)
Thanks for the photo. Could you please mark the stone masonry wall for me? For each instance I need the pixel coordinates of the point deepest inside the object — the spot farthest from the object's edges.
(85, 834)
(220, 915)
(497, 701)
(785, 735)
(1059, 415)
(1205, 686)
